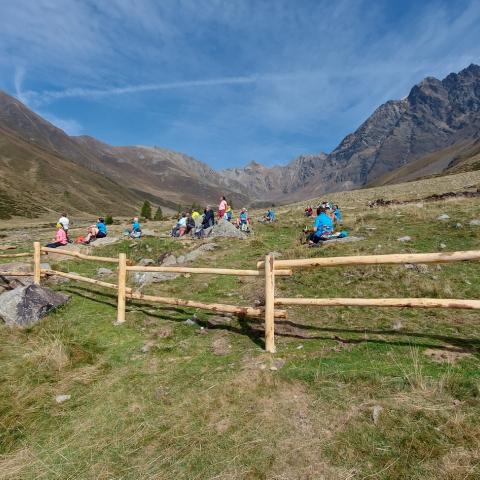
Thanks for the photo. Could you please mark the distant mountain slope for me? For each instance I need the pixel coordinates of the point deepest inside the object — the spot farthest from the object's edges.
(169, 177)
(463, 156)
(435, 115)
(36, 181)
(274, 183)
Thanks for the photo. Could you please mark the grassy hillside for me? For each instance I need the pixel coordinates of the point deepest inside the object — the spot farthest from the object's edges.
(36, 181)
(460, 157)
(210, 404)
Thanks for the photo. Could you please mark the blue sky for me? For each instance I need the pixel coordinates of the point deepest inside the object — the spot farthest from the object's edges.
(227, 81)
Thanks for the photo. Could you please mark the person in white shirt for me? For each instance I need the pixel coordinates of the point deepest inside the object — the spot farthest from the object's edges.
(65, 223)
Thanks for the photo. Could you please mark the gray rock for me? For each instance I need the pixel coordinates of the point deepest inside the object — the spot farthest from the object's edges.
(146, 262)
(443, 246)
(406, 238)
(25, 306)
(103, 272)
(102, 242)
(443, 217)
(169, 261)
(62, 398)
(226, 229)
(146, 232)
(190, 322)
(376, 411)
(475, 223)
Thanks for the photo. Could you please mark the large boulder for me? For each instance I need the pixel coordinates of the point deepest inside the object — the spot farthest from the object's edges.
(8, 282)
(225, 229)
(25, 306)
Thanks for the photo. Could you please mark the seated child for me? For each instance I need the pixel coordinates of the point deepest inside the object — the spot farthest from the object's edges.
(323, 227)
(60, 238)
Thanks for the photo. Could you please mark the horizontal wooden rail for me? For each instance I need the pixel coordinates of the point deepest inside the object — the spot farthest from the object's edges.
(215, 271)
(13, 273)
(396, 258)
(79, 278)
(214, 307)
(382, 302)
(16, 255)
(83, 256)
(7, 247)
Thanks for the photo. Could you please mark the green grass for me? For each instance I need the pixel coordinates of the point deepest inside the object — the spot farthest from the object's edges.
(179, 411)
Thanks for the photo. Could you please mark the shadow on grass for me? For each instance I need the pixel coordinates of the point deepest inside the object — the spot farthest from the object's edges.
(253, 328)
(110, 299)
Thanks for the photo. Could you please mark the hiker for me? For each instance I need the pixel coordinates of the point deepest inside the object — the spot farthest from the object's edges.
(243, 221)
(102, 228)
(190, 224)
(228, 214)
(309, 211)
(135, 231)
(60, 238)
(99, 230)
(338, 214)
(65, 223)
(195, 216)
(208, 217)
(323, 227)
(180, 227)
(208, 221)
(222, 208)
(270, 215)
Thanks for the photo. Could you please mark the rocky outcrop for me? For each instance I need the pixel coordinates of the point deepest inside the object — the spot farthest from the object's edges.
(25, 306)
(435, 114)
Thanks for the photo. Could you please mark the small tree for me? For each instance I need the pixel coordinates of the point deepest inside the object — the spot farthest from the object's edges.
(108, 220)
(146, 211)
(158, 214)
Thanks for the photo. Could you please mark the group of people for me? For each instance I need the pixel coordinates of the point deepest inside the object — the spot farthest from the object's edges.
(94, 231)
(328, 216)
(197, 224)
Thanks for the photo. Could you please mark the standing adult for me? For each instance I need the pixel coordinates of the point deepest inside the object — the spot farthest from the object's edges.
(222, 208)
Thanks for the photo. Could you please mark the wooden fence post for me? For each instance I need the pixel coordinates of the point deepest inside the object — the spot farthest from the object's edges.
(122, 282)
(36, 263)
(269, 304)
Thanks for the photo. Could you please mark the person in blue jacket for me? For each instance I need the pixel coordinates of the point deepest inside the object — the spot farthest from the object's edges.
(102, 228)
(337, 213)
(323, 227)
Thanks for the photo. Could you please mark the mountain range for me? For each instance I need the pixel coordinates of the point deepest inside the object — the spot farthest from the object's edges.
(434, 130)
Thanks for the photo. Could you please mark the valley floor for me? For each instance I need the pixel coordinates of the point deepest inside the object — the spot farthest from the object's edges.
(353, 393)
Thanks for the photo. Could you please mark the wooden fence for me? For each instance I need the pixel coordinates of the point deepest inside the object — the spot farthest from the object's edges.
(270, 265)
(269, 269)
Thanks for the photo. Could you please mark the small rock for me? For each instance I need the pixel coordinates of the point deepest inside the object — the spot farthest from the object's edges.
(145, 262)
(147, 347)
(299, 347)
(277, 364)
(273, 368)
(376, 411)
(457, 402)
(160, 393)
(62, 398)
(406, 238)
(103, 272)
(475, 223)
(190, 322)
(458, 225)
(443, 246)
(397, 325)
(370, 228)
(443, 217)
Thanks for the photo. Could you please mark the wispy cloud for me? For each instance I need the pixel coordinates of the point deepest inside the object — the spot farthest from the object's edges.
(229, 81)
